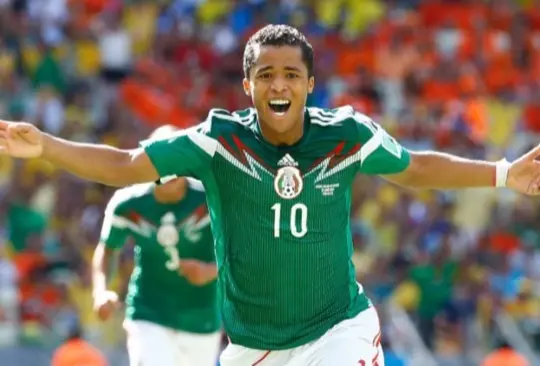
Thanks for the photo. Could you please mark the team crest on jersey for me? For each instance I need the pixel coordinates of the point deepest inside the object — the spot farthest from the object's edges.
(167, 234)
(168, 237)
(288, 182)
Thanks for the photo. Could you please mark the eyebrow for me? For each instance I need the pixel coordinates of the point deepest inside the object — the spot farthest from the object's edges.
(287, 68)
(264, 69)
(292, 68)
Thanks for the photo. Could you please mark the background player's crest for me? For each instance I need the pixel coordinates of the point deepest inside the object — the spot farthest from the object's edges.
(167, 234)
(288, 182)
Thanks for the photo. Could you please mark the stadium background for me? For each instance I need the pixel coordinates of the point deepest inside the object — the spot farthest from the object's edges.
(453, 274)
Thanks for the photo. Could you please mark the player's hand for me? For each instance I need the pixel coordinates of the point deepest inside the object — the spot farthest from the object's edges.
(524, 173)
(20, 139)
(196, 272)
(105, 304)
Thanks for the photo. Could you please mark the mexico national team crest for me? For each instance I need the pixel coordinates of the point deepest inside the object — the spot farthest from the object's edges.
(288, 182)
(167, 234)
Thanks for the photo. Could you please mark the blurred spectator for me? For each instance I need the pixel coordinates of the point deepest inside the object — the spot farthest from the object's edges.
(115, 46)
(75, 351)
(504, 356)
(435, 280)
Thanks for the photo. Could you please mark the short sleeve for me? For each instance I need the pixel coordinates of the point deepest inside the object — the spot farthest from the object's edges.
(187, 153)
(380, 153)
(114, 230)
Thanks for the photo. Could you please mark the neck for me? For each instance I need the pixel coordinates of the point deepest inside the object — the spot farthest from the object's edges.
(163, 197)
(289, 137)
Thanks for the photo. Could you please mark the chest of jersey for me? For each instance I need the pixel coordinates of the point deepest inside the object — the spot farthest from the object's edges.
(293, 191)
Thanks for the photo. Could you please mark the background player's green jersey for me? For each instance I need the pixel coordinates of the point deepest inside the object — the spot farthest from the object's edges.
(164, 233)
(280, 217)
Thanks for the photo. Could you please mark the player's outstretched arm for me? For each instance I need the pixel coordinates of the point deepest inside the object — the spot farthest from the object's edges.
(99, 163)
(113, 236)
(445, 171)
(105, 301)
(102, 260)
(380, 154)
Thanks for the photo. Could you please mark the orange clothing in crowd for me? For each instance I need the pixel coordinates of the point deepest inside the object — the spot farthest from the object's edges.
(78, 352)
(505, 357)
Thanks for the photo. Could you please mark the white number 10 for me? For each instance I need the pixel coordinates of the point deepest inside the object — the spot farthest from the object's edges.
(298, 208)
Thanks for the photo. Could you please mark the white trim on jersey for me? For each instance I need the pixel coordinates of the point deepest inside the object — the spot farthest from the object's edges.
(143, 227)
(323, 166)
(205, 221)
(371, 145)
(195, 184)
(206, 143)
(253, 164)
(381, 139)
(323, 118)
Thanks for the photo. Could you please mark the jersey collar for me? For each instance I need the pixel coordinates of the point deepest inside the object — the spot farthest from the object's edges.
(296, 145)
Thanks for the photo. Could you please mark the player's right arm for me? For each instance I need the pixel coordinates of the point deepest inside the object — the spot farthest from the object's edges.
(99, 163)
(381, 154)
(114, 233)
(186, 153)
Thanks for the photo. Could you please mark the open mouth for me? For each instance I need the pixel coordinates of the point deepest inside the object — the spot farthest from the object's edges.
(279, 106)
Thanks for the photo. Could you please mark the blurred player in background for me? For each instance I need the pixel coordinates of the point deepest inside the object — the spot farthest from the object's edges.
(278, 180)
(172, 314)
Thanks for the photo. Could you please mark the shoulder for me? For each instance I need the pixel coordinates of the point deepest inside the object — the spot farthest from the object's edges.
(220, 121)
(343, 123)
(344, 116)
(124, 198)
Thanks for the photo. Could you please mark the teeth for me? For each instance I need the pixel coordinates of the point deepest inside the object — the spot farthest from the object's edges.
(279, 102)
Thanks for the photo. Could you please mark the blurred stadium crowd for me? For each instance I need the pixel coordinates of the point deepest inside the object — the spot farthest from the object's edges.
(457, 75)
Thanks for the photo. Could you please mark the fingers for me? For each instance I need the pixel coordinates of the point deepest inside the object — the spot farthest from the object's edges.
(3, 143)
(105, 304)
(4, 125)
(18, 128)
(532, 181)
(186, 265)
(190, 263)
(105, 310)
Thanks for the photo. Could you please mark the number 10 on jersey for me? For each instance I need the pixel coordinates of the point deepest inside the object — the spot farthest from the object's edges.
(298, 210)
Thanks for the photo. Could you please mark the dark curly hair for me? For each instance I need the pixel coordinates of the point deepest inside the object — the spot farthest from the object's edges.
(277, 35)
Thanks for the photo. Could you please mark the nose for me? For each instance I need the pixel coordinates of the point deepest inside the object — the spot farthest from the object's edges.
(279, 84)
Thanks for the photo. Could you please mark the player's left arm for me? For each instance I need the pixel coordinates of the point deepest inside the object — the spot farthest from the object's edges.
(431, 169)
(381, 154)
(113, 236)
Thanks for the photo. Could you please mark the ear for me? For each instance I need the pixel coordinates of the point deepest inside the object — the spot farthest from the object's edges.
(247, 88)
(311, 84)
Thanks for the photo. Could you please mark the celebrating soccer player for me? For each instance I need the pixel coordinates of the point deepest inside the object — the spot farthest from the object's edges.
(278, 181)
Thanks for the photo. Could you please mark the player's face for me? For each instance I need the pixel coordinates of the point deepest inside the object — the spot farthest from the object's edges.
(278, 85)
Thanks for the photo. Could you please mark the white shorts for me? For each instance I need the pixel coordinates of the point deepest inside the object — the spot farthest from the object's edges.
(353, 342)
(151, 344)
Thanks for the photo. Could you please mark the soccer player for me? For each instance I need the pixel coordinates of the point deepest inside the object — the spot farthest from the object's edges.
(278, 180)
(172, 315)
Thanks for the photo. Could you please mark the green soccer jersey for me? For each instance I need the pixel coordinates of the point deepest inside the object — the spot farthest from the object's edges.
(280, 217)
(162, 234)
